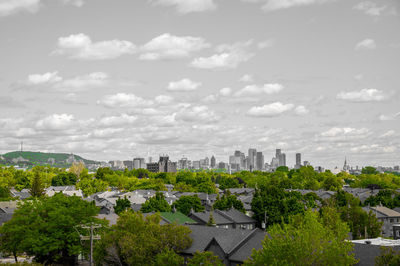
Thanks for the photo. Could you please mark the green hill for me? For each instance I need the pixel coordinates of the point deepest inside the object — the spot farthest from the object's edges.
(40, 158)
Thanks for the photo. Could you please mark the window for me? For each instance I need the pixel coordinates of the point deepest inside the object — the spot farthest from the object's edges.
(391, 221)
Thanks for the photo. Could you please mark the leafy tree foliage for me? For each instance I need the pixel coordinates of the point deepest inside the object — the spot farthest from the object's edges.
(386, 197)
(357, 219)
(122, 205)
(186, 203)
(306, 240)
(90, 186)
(168, 258)
(206, 258)
(135, 240)
(369, 170)
(64, 179)
(282, 169)
(156, 204)
(388, 257)
(227, 202)
(45, 228)
(275, 205)
(37, 188)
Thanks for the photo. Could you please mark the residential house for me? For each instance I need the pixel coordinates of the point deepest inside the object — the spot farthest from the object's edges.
(387, 216)
(66, 190)
(232, 246)
(225, 219)
(366, 250)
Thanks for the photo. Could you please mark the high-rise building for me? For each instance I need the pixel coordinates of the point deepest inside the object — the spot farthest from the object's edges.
(213, 162)
(281, 157)
(128, 165)
(139, 163)
(163, 165)
(259, 161)
(252, 159)
(183, 163)
(298, 161)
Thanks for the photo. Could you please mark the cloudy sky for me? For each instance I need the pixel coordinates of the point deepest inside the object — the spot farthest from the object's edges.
(120, 79)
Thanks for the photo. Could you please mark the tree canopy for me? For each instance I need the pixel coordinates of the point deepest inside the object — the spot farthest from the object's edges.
(46, 228)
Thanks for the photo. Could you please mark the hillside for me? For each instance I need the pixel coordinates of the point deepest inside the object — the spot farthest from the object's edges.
(40, 158)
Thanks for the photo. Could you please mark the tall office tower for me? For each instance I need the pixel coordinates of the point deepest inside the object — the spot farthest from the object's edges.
(282, 159)
(278, 153)
(213, 162)
(237, 153)
(298, 161)
(259, 161)
(242, 161)
(139, 163)
(183, 163)
(252, 156)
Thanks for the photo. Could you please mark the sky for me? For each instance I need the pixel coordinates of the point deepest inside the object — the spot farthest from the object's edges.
(114, 80)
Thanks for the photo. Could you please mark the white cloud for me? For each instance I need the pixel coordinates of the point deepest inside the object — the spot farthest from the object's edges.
(9, 7)
(225, 91)
(265, 44)
(188, 6)
(388, 133)
(301, 110)
(270, 110)
(95, 79)
(164, 99)
(78, 83)
(80, 46)
(390, 117)
(56, 122)
(228, 56)
(370, 8)
(345, 131)
(123, 119)
(49, 77)
(168, 46)
(254, 90)
(199, 113)
(124, 100)
(364, 95)
(246, 78)
(272, 5)
(367, 44)
(183, 85)
(77, 3)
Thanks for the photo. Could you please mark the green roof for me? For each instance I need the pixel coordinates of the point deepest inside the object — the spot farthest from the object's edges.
(176, 217)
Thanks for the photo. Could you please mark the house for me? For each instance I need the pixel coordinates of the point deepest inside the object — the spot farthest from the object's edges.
(246, 200)
(361, 193)
(387, 216)
(66, 190)
(112, 218)
(225, 219)
(366, 250)
(8, 206)
(207, 200)
(232, 246)
(241, 191)
(23, 194)
(172, 217)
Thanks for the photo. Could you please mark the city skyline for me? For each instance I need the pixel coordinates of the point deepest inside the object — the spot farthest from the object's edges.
(202, 77)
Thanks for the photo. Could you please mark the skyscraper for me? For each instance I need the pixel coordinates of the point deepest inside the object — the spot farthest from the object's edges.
(298, 161)
(213, 162)
(281, 157)
(252, 158)
(259, 161)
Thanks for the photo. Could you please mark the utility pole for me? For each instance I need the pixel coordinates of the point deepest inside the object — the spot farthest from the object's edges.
(90, 237)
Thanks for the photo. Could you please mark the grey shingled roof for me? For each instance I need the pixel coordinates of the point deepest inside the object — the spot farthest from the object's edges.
(236, 244)
(205, 216)
(202, 236)
(236, 216)
(5, 217)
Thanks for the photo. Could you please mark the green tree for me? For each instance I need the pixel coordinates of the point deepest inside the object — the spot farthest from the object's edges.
(122, 205)
(64, 179)
(206, 258)
(45, 228)
(305, 240)
(168, 258)
(388, 257)
(369, 170)
(227, 202)
(282, 169)
(136, 240)
(211, 221)
(156, 204)
(186, 203)
(37, 187)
